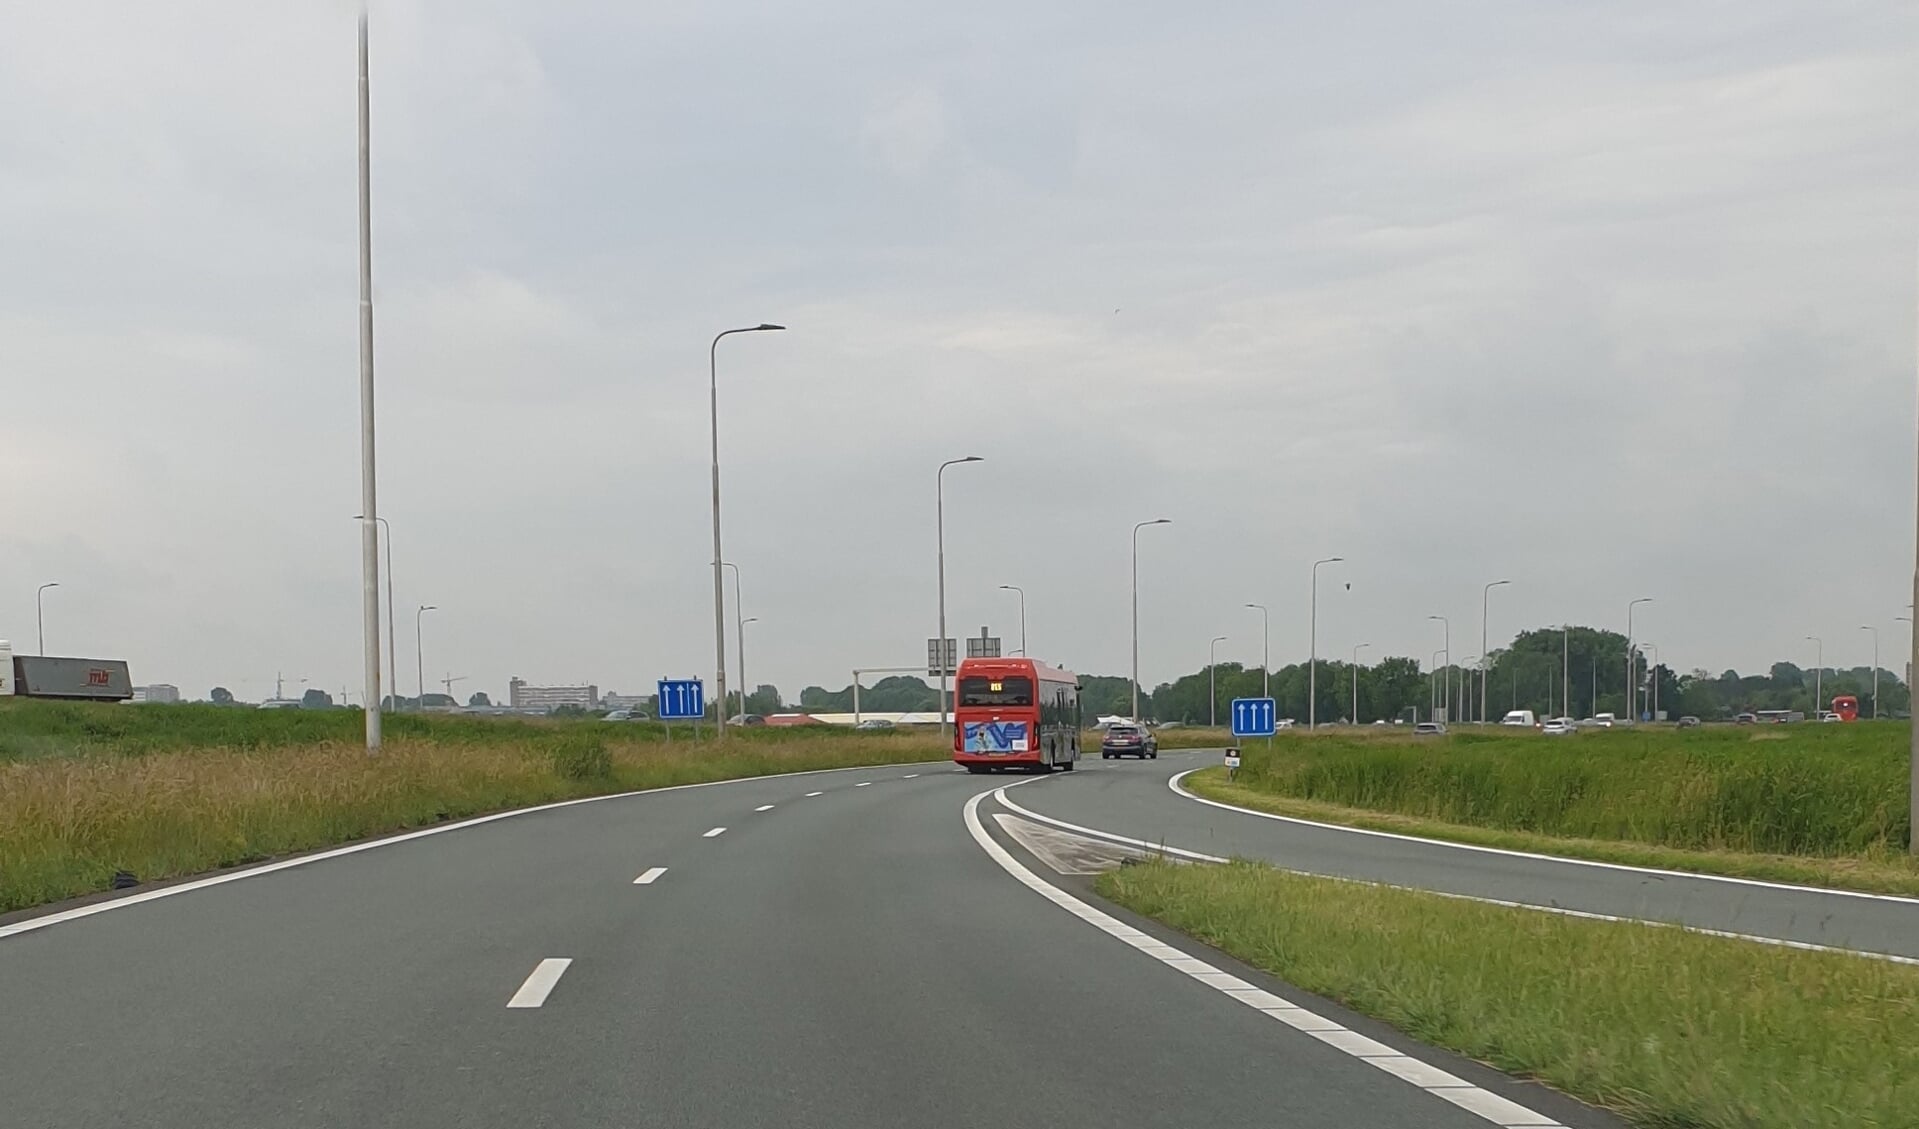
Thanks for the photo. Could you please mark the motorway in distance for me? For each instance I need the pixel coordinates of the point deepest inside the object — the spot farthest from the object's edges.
(871, 947)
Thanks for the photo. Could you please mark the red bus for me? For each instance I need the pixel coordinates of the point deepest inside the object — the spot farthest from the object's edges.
(1846, 706)
(1010, 712)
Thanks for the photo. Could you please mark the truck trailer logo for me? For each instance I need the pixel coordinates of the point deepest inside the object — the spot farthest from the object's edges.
(995, 737)
(98, 677)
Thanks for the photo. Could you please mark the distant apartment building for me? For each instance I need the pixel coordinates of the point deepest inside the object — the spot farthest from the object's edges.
(612, 701)
(158, 692)
(520, 696)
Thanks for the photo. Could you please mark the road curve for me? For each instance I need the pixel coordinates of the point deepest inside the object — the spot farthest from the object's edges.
(1135, 802)
(841, 950)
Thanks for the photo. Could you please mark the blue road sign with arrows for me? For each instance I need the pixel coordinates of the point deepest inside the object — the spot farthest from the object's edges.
(680, 699)
(1254, 717)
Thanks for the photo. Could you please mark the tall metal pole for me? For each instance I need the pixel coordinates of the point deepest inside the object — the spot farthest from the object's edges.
(719, 574)
(742, 649)
(392, 627)
(939, 646)
(1022, 615)
(369, 494)
(1565, 672)
(1632, 692)
(1818, 676)
(1356, 650)
(1212, 682)
(1875, 667)
(1485, 655)
(1136, 529)
(419, 651)
(1265, 651)
(1652, 673)
(1312, 646)
(40, 612)
(1432, 692)
(1912, 659)
(1447, 698)
(739, 634)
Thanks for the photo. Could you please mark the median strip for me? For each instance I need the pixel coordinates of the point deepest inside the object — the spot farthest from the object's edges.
(540, 983)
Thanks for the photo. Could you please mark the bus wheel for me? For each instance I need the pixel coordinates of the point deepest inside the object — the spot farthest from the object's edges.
(1068, 766)
(976, 769)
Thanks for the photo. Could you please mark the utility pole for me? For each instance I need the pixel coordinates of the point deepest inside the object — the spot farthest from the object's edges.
(369, 493)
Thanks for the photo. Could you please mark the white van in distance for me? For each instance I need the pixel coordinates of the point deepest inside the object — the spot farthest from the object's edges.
(1520, 717)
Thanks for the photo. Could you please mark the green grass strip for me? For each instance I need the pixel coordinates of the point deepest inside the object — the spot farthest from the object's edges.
(1668, 1028)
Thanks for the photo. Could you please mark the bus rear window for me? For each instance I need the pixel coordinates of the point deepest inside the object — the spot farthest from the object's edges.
(1011, 691)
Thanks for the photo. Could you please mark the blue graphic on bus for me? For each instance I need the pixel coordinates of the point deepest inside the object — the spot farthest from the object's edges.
(995, 737)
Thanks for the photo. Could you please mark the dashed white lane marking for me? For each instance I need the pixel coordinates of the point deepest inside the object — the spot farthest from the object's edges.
(1439, 1083)
(864, 784)
(764, 807)
(650, 877)
(816, 793)
(540, 984)
(909, 776)
(717, 831)
(1181, 790)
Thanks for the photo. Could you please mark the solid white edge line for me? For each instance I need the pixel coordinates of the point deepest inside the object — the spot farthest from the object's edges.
(78, 912)
(1439, 1083)
(651, 876)
(1562, 911)
(715, 833)
(1173, 783)
(764, 807)
(539, 983)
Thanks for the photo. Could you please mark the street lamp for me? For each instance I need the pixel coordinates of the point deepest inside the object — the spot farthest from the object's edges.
(40, 612)
(1432, 692)
(392, 628)
(1265, 651)
(1212, 682)
(1485, 655)
(419, 651)
(1136, 529)
(1022, 615)
(739, 633)
(1875, 667)
(1447, 625)
(1632, 693)
(719, 574)
(1312, 661)
(1356, 650)
(939, 647)
(1818, 675)
(744, 691)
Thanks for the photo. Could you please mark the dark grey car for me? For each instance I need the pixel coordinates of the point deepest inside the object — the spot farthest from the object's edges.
(1128, 741)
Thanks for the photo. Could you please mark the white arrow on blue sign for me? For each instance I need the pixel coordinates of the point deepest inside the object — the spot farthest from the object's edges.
(1254, 717)
(680, 699)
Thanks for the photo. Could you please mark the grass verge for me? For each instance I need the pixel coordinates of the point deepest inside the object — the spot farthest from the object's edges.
(67, 823)
(1668, 1028)
(1877, 874)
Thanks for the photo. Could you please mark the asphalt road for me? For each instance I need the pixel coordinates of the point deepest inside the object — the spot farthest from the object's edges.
(866, 956)
(1139, 804)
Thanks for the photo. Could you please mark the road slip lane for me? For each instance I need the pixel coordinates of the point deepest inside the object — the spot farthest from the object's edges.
(1133, 800)
(856, 962)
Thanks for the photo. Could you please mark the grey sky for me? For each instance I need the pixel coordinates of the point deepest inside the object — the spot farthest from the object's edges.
(1613, 300)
